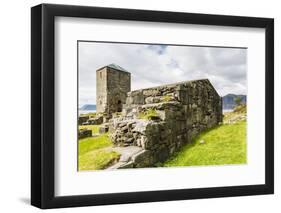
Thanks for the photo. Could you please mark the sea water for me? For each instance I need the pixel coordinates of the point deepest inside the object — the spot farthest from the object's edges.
(86, 111)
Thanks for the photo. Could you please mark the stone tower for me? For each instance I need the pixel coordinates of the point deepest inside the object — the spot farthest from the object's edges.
(113, 82)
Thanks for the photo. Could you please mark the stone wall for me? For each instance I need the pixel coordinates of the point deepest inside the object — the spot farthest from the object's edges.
(112, 88)
(101, 90)
(84, 133)
(83, 119)
(90, 120)
(162, 119)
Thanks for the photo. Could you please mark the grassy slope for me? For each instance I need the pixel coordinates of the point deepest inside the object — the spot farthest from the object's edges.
(225, 144)
(91, 152)
(97, 159)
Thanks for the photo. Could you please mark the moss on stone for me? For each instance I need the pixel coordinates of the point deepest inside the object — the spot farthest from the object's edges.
(166, 98)
(117, 114)
(149, 114)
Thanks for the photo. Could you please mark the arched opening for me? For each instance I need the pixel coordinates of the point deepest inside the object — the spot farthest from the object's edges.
(119, 106)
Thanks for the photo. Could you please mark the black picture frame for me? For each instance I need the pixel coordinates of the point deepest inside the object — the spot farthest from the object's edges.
(43, 101)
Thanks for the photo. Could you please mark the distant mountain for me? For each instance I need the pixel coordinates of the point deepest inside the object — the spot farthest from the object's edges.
(88, 107)
(228, 101)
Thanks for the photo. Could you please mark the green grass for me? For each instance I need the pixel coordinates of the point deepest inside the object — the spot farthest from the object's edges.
(225, 144)
(166, 98)
(94, 128)
(93, 143)
(97, 159)
(148, 114)
(92, 154)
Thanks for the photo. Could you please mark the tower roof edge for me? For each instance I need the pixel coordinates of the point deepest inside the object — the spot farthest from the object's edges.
(115, 67)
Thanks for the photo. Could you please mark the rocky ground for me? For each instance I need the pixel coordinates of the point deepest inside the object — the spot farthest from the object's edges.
(238, 114)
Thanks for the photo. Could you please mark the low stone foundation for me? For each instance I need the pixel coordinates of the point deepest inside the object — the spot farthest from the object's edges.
(104, 128)
(83, 119)
(95, 120)
(131, 157)
(90, 120)
(84, 133)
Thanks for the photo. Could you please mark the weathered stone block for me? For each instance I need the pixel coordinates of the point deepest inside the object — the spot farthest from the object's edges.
(96, 120)
(82, 119)
(84, 133)
(104, 128)
(142, 159)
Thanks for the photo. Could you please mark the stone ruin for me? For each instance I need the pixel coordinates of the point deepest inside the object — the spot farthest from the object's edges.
(156, 122)
(84, 133)
(112, 85)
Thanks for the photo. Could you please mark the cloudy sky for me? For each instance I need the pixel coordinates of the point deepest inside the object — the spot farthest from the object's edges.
(153, 65)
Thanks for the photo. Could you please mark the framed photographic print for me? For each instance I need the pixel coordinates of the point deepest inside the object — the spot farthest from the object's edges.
(139, 106)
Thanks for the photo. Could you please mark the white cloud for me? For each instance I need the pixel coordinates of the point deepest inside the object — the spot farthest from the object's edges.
(153, 65)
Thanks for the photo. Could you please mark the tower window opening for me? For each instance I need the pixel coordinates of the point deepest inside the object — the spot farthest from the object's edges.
(119, 106)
